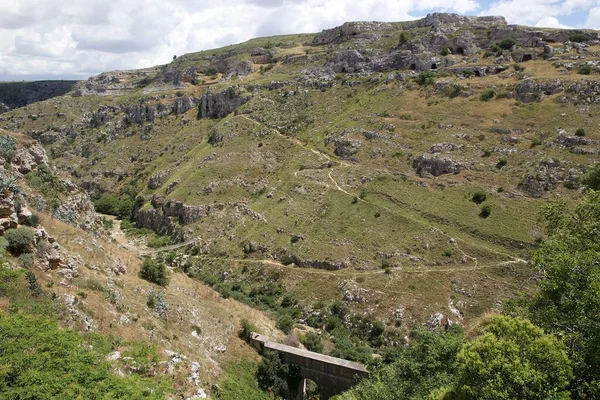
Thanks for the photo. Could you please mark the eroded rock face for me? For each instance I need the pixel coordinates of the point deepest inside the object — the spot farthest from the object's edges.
(345, 146)
(531, 90)
(158, 179)
(431, 165)
(348, 31)
(547, 175)
(220, 105)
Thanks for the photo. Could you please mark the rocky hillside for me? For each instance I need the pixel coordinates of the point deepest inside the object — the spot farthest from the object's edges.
(397, 168)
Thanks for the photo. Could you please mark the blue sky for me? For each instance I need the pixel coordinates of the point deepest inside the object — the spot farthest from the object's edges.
(73, 39)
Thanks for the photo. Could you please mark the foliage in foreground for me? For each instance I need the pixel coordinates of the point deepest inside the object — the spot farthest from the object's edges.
(38, 360)
(154, 271)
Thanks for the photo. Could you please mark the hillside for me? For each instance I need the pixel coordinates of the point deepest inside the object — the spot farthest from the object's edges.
(396, 169)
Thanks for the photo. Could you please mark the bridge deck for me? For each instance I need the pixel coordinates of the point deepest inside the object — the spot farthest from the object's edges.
(267, 344)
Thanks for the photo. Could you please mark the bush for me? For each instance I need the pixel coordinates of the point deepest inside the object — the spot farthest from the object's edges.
(426, 78)
(445, 52)
(313, 342)
(20, 240)
(578, 38)
(507, 43)
(154, 271)
(403, 38)
(32, 221)
(502, 162)
(26, 260)
(285, 322)
(246, 330)
(486, 210)
(592, 177)
(487, 95)
(585, 69)
(580, 132)
(536, 142)
(8, 146)
(113, 205)
(479, 197)
(156, 300)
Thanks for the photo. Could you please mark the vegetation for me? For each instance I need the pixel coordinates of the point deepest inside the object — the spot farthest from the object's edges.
(426, 78)
(154, 271)
(8, 146)
(313, 342)
(487, 95)
(580, 132)
(486, 211)
(507, 43)
(479, 196)
(113, 205)
(592, 177)
(20, 240)
(585, 69)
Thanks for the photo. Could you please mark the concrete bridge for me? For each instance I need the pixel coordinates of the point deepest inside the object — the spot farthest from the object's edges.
(332, 375)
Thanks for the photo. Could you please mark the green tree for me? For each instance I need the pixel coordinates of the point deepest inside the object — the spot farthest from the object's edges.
(154, 271)
(568, 301)
(415, 370)
(512, 359)
(272, 373)
(592, 177)
(20, 240)
(313, 342)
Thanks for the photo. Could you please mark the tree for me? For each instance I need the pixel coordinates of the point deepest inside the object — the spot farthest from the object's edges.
(413, 371)
(568, 301)
(313, 342)
(272, 373)
(592, 177)
(154, 271)
(512, 359)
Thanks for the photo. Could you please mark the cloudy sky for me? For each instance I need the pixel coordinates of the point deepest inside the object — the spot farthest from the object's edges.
(74, 39)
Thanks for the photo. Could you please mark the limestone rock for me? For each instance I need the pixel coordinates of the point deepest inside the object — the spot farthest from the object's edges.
(349, 30)
(426, 165)
(221, 104)
(158, 179)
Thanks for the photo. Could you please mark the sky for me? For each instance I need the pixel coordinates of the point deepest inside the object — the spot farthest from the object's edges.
(75, 39)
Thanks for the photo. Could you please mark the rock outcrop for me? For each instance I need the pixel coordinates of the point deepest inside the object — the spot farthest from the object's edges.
(426, 165)
(220, 104)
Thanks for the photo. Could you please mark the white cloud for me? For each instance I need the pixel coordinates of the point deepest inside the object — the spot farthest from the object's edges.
(550, 22)
(74, 38)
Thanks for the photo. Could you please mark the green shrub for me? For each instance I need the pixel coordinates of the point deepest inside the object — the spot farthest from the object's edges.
(285, 322)
(156, 242)
(486, 210)
(426, 78)
(313, 342)
(403, 38)
(20, 240)
(536, 142)
(8, 146)
(585, 69)
(507, 43)
(578, 37)
(112, 205)
(27, 260)
(592, 177)
(154, 271)
(487, 95)
(246, 330)
(453, 91)
(487, 153)
(34, 286)
(580, 132)
(32, 221)
(502, 162)
(445, 52)
(479, 197)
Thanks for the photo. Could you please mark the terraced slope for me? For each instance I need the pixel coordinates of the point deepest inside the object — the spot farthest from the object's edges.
(345, 163)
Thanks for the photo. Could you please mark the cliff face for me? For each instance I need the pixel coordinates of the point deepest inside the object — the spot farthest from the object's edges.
(20, 94)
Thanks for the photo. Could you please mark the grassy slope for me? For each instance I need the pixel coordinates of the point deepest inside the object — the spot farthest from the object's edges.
(280, 142)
